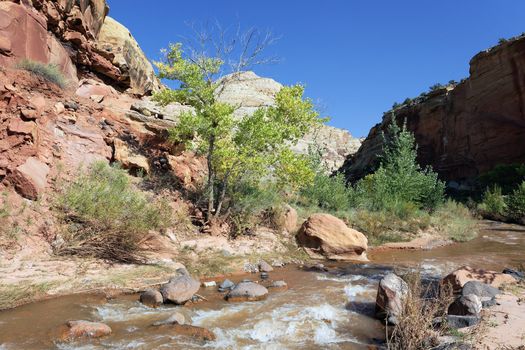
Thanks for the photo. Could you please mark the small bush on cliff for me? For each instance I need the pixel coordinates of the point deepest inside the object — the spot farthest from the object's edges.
(106, 217)
(49, 72)
(516, 203)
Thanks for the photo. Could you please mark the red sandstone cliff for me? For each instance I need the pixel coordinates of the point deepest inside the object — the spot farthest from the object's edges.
(467, 129)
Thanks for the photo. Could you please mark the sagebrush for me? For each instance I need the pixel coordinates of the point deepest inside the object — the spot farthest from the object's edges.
(105, 216)
(49, 72)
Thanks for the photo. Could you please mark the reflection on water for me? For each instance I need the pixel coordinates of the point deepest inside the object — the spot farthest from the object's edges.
(331, 310)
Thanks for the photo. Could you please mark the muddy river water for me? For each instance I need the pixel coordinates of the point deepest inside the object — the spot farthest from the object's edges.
(320, 310)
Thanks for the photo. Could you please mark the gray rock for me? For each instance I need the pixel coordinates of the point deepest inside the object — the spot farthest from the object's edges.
(480, 289)
(151, 298)
(247, 291)
(456, 321)
(515, 273)
(279, 284)
(251, 268)
(179, 289)
(488, 302)
(264, 275)
(265, 267)
(226, 285)
(391, 293)
(177, 318)
(467, 305)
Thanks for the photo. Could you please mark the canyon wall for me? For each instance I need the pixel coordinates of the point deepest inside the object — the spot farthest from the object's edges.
(464, 129)
(79, 38)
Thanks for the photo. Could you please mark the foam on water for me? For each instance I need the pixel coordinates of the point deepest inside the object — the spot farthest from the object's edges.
(342, 279)
(123, 312)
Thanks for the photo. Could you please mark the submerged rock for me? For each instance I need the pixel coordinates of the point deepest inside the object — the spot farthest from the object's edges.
(151, 298)
(279, 286)
(247, 291)
(194, 332)
(84, 329)
(391, 293)
(325, 236)
(179, 289)
(176, 318)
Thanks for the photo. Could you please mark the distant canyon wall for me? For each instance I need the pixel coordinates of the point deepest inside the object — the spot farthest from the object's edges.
(466, 129)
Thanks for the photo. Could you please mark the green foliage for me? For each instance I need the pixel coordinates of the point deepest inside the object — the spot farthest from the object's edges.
(493, 203)
(407, 101)
(251, 150)
(516, 203)
(400, 180)
(502, 41)
(436, 87)
(505, 176)
(49, 72)
(106, 216)
(455, 221)
(328, 192)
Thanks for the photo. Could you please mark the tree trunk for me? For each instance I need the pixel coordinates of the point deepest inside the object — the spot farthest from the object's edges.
(211, 179)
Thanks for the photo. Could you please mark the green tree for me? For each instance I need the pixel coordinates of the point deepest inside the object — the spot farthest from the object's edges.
(237, 150)
(516, 203)
(400, 180)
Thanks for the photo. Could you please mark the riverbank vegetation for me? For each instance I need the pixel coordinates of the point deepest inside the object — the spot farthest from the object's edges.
(397, 201)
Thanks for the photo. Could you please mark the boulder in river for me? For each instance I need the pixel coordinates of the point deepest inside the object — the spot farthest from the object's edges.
(265, 267)
(391, 293)
(226, 285)
(325, 236)
(176, 318)
(74, 330)
(461, 276)
(279, 286)
(466, 305)
(179, 289)
(198, 333)
(247, 291)
(151, 298)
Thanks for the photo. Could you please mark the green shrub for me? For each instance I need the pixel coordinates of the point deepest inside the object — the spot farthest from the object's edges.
(516, 203)
(49, 72)
(436, 87)
(493, 203)
(107, 217)
(328, 192)
(506, 176)
(455, 221)
(400, 181)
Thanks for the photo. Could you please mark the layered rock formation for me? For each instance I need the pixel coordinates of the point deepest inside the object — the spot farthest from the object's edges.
(78, 37)
(466, 129)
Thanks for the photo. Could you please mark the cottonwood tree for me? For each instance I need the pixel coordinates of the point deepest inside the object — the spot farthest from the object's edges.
(252, 149)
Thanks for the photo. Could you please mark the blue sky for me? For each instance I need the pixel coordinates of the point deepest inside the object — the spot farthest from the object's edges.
(355, 57)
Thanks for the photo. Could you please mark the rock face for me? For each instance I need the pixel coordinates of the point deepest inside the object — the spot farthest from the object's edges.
(461, 276)
(325, 236)
(390, 295)
(466, 129)
(180, 289)
(115, 40)
(30, 178)
(78, 37)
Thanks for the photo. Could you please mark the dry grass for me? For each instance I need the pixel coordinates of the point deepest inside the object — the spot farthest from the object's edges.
(415, 328)
(49, 72)
(12, 295)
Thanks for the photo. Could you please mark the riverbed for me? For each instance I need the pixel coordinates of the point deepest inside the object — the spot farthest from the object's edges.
(320, 310)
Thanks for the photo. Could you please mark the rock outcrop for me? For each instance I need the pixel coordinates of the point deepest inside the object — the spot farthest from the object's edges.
(325, 236)
(78, 37)
(466, 129)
